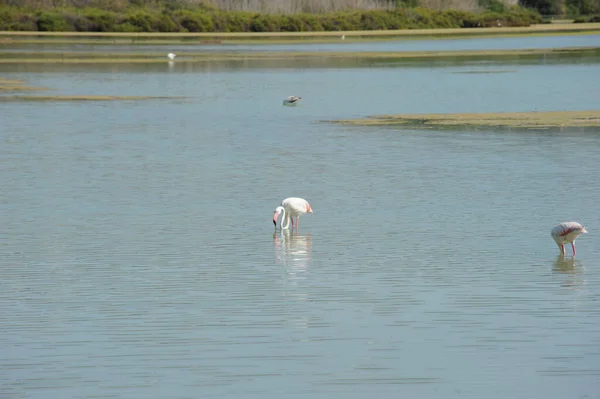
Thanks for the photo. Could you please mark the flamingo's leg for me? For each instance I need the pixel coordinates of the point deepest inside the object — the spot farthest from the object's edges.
(573, 246)
(562, 248)
(292, 220)
(297, 222)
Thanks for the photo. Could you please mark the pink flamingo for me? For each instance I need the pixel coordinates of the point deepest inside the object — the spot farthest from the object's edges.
(291, 207)
(566, 233)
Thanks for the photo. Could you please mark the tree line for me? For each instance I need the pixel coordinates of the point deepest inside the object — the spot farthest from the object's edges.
(271, 15)
(563, 7)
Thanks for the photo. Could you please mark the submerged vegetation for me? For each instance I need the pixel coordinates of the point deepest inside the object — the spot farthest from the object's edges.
(241, 16)
(517, 120)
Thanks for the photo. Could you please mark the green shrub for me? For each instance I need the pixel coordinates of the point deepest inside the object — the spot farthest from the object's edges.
(593, 18)
(545, 7)
(51, 22)
(16, 19)
(97, 20)
(9, 16)
(373, 20)
(193, 21)
(127, 27)
(308, 23)
(492, 5)
(140, 20)
(583, 7)
(265, 23)
(144, 21)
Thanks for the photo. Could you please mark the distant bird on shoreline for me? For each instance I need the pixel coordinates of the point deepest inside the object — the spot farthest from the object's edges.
(567, 233)
(291, 100)
(291, 207)
(171, 56)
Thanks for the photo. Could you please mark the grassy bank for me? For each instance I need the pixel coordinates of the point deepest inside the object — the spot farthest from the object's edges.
(516, 120)
(141, 38)
(206, 19)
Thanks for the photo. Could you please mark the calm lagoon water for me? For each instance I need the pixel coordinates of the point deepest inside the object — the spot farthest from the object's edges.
(424, 44)
(139, 258)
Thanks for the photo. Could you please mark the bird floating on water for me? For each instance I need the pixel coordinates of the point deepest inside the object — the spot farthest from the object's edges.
(171, 56)
(567, 233)
(291, 100)
(291, 207)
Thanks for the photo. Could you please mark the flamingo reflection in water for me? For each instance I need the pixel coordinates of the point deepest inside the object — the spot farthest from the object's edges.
(292, 250)
(573, 271)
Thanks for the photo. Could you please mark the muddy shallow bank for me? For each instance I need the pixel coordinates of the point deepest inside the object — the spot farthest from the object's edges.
(152, 57)
(517, 120)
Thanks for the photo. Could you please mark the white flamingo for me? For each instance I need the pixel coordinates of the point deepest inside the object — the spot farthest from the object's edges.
(291, 100)
(291, 207)
(171, 56)
(566, 233)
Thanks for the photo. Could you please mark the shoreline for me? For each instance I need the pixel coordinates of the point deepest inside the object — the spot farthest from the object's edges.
(8, 37)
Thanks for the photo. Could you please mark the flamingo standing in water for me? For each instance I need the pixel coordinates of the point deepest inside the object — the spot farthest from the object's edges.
(291, 207)
(566, 233)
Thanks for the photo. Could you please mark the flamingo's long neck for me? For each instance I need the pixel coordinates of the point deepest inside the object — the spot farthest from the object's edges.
(285, 220)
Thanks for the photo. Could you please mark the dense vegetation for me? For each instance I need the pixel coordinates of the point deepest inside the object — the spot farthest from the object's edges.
(563, 7)
(193, 16)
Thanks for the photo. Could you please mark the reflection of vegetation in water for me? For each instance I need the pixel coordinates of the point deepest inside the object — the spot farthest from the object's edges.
(374, 58)
(234, 61)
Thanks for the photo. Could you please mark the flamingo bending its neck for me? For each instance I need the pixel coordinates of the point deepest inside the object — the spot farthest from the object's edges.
(566, 233)
(291, 207)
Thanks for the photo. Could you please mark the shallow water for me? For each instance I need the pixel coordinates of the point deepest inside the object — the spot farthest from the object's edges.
(451, 44)
(139, 257)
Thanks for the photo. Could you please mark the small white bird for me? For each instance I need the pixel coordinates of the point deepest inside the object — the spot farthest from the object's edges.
(566, 233)
(171, 56)
(291, 100)
(291, 207)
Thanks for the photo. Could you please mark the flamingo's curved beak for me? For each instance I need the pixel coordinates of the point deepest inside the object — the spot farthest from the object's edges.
(275, 215)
